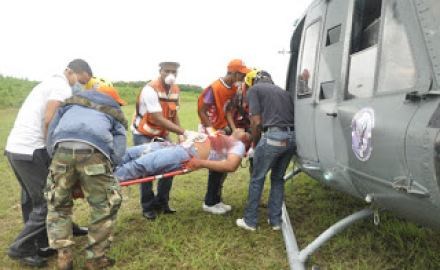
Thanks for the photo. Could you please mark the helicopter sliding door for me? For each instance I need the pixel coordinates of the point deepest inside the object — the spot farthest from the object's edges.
(330, 79)
(321, 73)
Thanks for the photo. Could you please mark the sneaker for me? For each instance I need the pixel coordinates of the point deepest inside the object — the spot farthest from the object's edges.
(240, 223)
(227, 207)
(276, 227)
(100, 263)
(65, 259)
(214, 209)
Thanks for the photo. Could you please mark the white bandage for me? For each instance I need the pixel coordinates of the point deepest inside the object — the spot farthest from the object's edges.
(194, 136)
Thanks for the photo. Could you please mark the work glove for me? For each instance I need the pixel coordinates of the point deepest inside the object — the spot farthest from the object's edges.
(185, 144)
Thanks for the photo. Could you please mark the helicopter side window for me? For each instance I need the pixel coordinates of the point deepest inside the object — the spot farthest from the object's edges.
(308, 60)
(333, 35)
(363, 58)
(397, 69)
(366, 24)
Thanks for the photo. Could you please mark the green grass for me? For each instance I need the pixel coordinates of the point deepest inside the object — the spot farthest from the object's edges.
(193, 239)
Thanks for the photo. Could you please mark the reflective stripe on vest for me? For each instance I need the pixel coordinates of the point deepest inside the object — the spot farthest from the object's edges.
(156, 132)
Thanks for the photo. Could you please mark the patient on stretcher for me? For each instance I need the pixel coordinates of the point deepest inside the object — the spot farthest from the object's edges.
(219, 153)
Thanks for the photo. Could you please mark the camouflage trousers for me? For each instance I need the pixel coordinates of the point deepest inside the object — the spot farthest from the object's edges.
(101, 189)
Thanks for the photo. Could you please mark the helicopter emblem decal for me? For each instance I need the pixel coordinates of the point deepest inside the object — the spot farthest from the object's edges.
(361, 128)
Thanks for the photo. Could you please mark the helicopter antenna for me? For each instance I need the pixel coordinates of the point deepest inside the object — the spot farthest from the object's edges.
(283, 52)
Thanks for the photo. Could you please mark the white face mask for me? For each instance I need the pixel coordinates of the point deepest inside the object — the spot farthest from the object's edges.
(238, 84)
(77, 88)
(170, 79)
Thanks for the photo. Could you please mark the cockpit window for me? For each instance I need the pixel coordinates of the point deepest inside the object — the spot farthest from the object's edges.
(397, 69)
(379, 26)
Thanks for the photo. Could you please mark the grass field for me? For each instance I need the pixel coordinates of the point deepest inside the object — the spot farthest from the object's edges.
(194, 239)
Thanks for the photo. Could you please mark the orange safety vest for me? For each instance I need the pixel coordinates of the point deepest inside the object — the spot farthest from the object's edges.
(222, 97)
(169, 106)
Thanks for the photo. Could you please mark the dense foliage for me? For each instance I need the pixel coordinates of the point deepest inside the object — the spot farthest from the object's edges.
(13, 91)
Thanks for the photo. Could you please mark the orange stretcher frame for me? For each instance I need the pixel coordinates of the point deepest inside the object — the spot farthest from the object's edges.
(152, 178)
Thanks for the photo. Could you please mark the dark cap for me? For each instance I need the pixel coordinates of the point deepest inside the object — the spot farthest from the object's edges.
(169, 63)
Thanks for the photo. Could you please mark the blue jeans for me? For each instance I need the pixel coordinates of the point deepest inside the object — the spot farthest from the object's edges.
(274, 151)
(152, 159)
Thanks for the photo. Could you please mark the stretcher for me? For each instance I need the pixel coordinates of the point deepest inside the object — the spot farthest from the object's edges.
(160, 176)
(151, 178)
(166, 175)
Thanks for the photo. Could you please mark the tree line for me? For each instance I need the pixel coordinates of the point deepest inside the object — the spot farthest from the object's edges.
(13, 91)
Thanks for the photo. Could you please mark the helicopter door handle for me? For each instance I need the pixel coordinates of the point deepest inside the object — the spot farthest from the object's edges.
(332, 114)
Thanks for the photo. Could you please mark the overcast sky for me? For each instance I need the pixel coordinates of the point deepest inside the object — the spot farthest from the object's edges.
(125, 40)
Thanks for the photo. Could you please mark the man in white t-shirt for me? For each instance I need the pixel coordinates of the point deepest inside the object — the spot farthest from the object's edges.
(27, 154)
(156, 116)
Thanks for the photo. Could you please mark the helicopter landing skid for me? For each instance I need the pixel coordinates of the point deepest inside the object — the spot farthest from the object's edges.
(297, 258)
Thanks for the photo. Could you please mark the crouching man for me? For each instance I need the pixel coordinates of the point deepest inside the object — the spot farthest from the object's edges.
(87, 139)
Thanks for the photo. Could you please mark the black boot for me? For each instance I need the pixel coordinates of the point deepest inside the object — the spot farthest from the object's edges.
(151, 215)
(78, 231)
(168, 210)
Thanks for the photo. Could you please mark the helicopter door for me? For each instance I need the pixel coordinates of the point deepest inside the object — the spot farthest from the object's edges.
(305, 84)
(329, 80)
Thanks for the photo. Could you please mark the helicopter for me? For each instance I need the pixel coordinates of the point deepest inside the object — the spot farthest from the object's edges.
(365, 79)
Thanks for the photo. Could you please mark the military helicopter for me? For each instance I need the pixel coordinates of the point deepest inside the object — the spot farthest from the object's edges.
(365, 77)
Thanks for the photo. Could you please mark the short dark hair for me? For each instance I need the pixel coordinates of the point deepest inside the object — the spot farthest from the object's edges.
(79, 66)
(263, 76)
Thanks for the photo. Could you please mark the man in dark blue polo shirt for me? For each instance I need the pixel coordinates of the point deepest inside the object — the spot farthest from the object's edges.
(271, 110)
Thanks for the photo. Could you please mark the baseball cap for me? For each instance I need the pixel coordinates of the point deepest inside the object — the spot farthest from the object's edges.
(238, 65)
(169, 63)
(111, 92)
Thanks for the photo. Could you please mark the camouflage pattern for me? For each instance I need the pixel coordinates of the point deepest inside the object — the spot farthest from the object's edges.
(101, 190)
